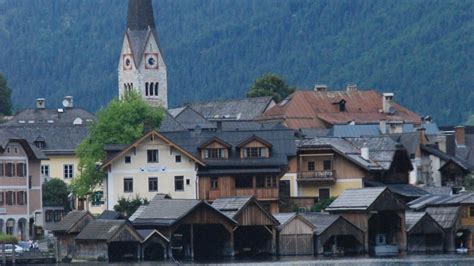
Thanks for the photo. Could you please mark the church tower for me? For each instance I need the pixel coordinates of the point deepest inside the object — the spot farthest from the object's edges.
(141, 66)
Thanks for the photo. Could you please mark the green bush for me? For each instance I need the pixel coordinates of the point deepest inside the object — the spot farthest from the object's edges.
(320, 206)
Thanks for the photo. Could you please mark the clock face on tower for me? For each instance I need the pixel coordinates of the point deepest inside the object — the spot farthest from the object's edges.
(127, 62)
(151, 60)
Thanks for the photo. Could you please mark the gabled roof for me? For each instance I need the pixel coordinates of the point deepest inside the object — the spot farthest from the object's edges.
(444, 215)
(170, 124)
(7, 137)
(234, 206)
(312, 109)
(412, 219)
(364, 199)
(110, 215)
(241, 109)
(147, 233)
(106, 230)
(69, 221)
(252, 138)
(190, 119)
(212, 140)
(285, 218)
(166, 212)
(146, 136)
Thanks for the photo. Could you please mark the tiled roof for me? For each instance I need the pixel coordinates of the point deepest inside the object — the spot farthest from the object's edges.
(230, 206)
(165, 211)
(190, 119)
(412, 218)
(34, 117)
(321, 220)
(302, 109)
(356, 199)
(103, 230)
(169, 123)
(381, 148)
(442, 200)
(110, 215)
(7, 136)
(241, 109)
(445, 216)
(282, 140)
(68, 221)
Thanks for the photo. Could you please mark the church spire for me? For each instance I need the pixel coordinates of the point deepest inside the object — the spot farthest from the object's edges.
(140, 15)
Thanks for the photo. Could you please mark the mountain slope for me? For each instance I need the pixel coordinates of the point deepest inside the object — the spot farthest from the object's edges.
(421, 50)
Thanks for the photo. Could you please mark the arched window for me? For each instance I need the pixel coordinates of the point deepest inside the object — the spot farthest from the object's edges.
(151, 88)
(156, 89)
(146, 88)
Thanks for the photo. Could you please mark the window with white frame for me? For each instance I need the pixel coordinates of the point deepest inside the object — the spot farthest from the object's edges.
(45, 170)
(68, 171)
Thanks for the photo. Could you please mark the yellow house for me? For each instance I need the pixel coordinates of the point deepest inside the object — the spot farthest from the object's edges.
(151, 165)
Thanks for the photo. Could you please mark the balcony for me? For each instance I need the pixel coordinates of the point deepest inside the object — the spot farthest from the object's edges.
(259, 193)
(321, 176)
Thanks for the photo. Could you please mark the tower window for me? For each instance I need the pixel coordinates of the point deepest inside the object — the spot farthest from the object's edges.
(156, 89)
(146, 88)
(151, 89)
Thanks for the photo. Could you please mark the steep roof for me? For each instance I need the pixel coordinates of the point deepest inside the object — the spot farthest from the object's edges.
(105, 230)
(321, 221)
(412, 218)
(69, 221)
(7, 137)
(442, 200)
(169, 123)
(110, 215)
(190, 119)
(356, 199)
(282, 140)
(165, 211)
(285, 217)
(233, 206)
(445, 216)
(309, 109)
(240, 109)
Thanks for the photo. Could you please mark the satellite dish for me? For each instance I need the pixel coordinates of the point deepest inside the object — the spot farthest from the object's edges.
(65, 103)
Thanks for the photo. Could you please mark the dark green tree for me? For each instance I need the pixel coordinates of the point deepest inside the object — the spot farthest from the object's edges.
(5, 97)
(128, 206)
(120, 122)
(55, 193)
(270, 85)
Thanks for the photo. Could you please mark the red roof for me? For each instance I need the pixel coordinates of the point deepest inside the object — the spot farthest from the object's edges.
(316, 109)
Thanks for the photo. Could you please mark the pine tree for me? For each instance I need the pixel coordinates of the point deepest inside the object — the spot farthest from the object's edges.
(5, 97)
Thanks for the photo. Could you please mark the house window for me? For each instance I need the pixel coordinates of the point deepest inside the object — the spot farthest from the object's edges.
(1, 169)
(9, 169)
(177, 158)
(49, 216)
(271, 182)
(255, 152)
(97, 198)
(260, 182)
(214, 182)
(21, 169)
(16, 150)
(57, 215)
(244, 182)
(40, 144)
(128, 159)
(179, 183)
(10, 198)
(152, 156)
(2, 199)
(311, 166)
(327, 165)
(45, 170)
(471, 211)
(324, 193)
(152, 184)
(213, 153)
(21, 197)
(128, 185)
(68, 171)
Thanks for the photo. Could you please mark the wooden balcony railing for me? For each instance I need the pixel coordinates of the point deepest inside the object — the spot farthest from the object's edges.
(259, 193)
(326, 175)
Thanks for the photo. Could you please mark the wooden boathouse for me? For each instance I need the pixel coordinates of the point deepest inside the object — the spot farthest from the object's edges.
(379, 213)
(190, 228)
(67, 229)
(424, 234)
(295, 234)
(334, 234)
(109, 240)
(256, 230)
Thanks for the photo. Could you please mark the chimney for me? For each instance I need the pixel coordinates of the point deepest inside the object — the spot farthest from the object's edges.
(351, 87)
(40, 103)
(387, 102)
(320, 87)
(364, 152)
(459, 135)
(422, 135)
(68, 102)
(383, 127)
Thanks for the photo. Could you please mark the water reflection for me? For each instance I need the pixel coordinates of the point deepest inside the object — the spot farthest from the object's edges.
(402, 260)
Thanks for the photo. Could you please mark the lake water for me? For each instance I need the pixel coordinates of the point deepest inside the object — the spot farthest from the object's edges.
(424, 260)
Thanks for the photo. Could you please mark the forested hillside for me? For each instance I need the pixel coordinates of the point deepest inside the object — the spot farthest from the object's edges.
(215, 49)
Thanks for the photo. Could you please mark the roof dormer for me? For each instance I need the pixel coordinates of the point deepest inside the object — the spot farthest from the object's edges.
(254, 147)
(215, 149)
